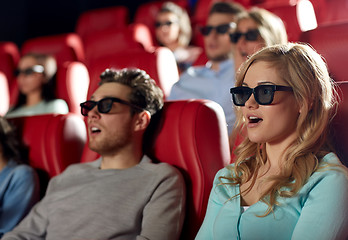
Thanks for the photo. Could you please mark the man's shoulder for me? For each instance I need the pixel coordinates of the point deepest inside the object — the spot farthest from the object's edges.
(161, 169)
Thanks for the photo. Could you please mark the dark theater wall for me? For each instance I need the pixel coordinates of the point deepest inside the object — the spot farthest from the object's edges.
(24, 19)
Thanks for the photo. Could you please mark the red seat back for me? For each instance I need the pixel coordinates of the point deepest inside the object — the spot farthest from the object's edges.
(4, 95)
(9, 57)
(94, 21)
(134, 36)
(72, 84)
(338, 127)
(159, 64)
(192, 136)
(331, 41)
(54, 142)
(64, 47)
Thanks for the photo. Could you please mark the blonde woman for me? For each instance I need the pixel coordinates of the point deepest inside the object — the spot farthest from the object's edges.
(256, 29)
(285, 183)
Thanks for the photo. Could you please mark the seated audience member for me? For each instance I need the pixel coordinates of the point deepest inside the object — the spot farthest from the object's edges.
(212, 80)
(256, 29)
(173, 30)
(122, 195)
(19, 184)
(36, 84)
(286, 183)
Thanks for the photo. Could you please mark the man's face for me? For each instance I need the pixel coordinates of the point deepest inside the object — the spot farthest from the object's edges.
(218, 46)
(110, 132)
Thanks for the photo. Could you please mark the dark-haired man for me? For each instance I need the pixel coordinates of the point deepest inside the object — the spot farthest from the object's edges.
(213, 80)
(122, 195)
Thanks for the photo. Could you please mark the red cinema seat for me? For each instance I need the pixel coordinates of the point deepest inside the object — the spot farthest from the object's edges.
(190, 135)
(338, 131)
(54, 142)
(297, 15)
(331, 41)
(4, 95)
(331, 11)
(134, 36)
(65, 47)
(94, 21)
(9, 57)
(72, 84)
(160, 64)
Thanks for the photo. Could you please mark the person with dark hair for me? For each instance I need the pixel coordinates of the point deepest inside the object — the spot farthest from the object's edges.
(122, 195)
(211, 81)
(286, 182)
(173, 30)
(36, 83)
(19, 184)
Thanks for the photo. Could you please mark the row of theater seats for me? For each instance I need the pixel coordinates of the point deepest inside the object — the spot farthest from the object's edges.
(190, 135)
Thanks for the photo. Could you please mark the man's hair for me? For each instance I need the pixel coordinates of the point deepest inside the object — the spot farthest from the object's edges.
(11, 147)
(227, 8)
(144, 91)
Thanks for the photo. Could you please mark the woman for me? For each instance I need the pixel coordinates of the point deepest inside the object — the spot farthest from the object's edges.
(36, 84)
(173, 30)
(19, 186)
(285, 183)
(256, 29)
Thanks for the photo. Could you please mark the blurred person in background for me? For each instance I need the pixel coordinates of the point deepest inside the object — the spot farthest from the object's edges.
(173, 30)
(213, 80)
(36, 83)
(19, 184)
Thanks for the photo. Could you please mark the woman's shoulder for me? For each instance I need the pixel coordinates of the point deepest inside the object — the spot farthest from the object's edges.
(57, 106)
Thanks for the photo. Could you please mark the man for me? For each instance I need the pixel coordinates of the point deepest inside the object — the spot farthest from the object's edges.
(122, 195)
(213, 80)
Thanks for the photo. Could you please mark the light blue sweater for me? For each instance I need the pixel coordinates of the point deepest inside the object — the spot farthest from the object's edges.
(19, 190)
(318, 211)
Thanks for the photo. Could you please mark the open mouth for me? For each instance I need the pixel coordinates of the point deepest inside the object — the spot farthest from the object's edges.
(95, 130)
(253, 119)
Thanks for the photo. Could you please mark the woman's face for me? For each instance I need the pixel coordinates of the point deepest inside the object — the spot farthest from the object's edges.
(29, 81)
(244, 47)
(167, 28)
(274, 123)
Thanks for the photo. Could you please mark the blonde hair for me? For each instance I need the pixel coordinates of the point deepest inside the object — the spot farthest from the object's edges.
(270, 26)
(184, 22)
(302, 68)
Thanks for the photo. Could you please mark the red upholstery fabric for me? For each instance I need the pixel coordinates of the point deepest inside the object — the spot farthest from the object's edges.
(331, 41)
(201, 60)
(72, 84)
(331, 11)
(190, 135)
(338, 127)
(94, 21)
(54, 140)
(160, 64)
(134, 36)
(4, 95)
(65, 47)
(9, 57)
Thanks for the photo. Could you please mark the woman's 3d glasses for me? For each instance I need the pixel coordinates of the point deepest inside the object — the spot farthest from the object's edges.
(166, 23)
(104, 105)
(251, 35)
(220, 29)
(263, 94)
(30, 70)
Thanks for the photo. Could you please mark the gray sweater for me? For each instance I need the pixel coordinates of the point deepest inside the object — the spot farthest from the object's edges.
(143, 202)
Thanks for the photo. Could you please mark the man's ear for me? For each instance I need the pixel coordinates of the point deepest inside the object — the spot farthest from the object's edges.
(142, 121)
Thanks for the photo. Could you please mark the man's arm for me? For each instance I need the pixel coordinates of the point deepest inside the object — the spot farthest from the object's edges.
(164, 214)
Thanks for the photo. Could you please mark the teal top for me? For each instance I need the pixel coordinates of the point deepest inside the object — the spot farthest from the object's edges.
(58, 106)
(318, 211)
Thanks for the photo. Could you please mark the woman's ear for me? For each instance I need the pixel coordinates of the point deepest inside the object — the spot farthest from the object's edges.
(142, 121)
